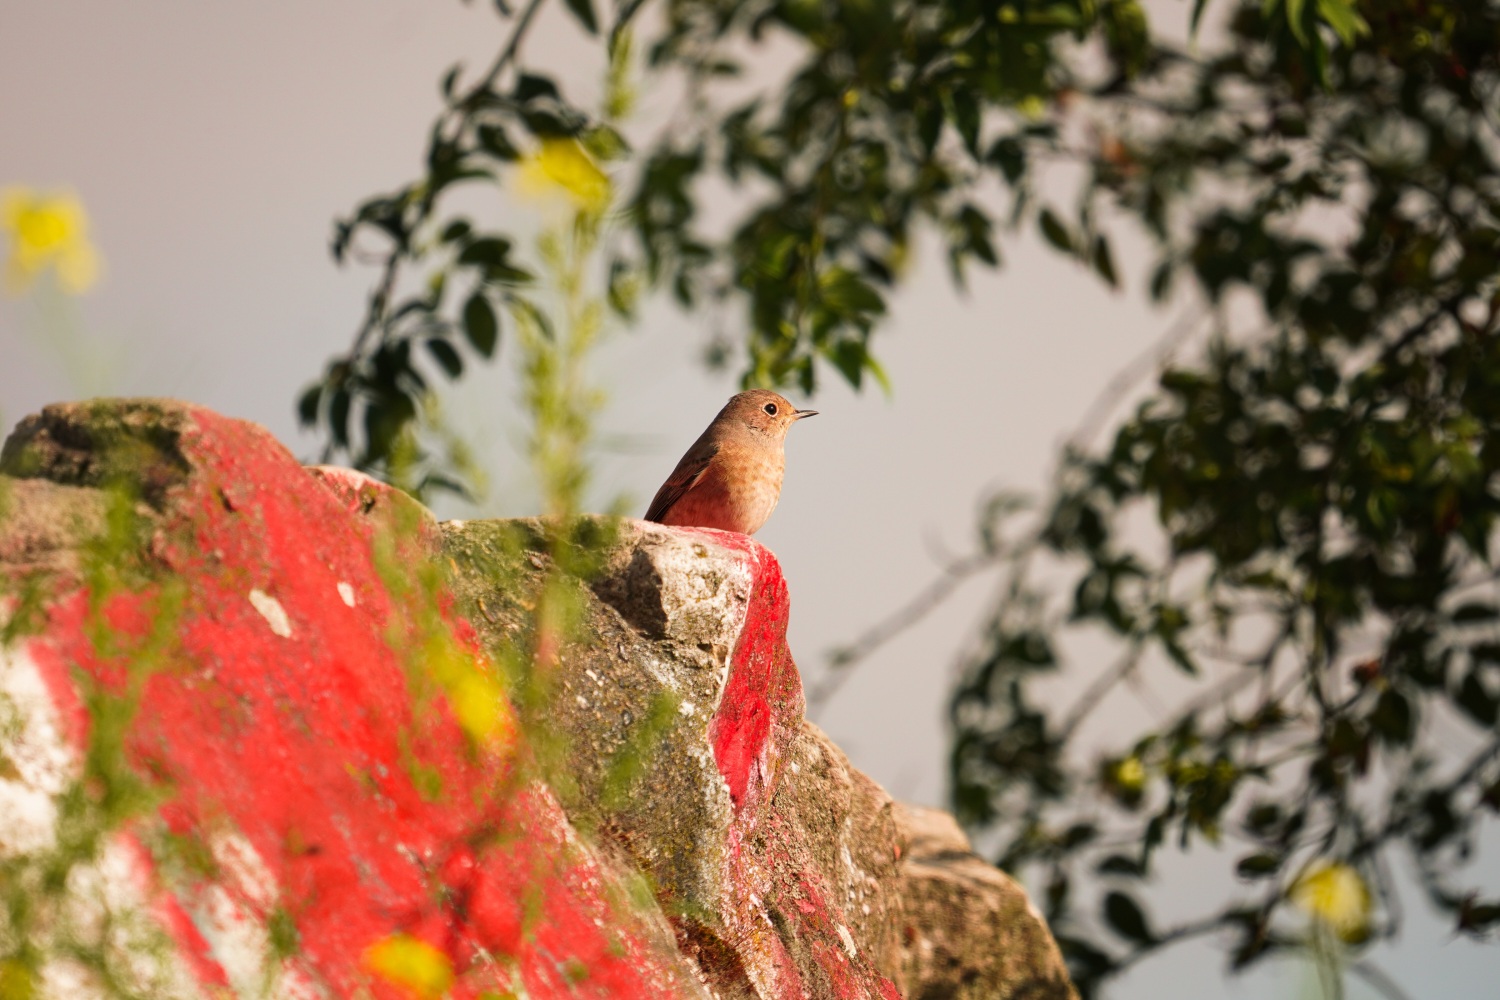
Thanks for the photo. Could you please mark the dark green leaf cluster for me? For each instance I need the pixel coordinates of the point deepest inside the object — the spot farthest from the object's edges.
(1325, 492)
(369, 400)
(893, 117)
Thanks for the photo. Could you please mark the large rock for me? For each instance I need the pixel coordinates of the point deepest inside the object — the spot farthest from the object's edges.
(276, 729)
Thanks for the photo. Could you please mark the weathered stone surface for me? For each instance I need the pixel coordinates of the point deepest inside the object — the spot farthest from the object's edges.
(286, 802)
(296, 747)
(767, 879)
(952, 900)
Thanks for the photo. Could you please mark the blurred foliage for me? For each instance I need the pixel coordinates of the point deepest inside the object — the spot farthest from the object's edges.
(54, 897)
(1316, 601)
(892, 118)
(1299, 526)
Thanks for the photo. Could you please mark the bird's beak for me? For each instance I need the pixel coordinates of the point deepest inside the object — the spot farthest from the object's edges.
(805, 413)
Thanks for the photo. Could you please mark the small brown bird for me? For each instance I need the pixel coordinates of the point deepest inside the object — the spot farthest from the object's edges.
(731, 477)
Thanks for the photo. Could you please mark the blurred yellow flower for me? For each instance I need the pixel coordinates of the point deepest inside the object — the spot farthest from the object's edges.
(563, 166)
(1335, 895)
(1130, 773)
(412, 963)
(47, 230)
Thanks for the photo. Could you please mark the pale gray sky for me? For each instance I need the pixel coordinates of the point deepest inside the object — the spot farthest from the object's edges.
(214, 142)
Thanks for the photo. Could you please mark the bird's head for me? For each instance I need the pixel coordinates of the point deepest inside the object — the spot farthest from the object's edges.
(765, 412)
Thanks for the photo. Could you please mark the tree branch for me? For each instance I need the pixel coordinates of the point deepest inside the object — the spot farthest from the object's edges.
(842, 661)
(507, 54)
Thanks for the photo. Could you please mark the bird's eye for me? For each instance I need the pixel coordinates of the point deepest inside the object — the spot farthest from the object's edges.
(771, 409)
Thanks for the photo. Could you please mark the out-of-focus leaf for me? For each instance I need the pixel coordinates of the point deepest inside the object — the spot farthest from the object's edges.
(1344, 19)
(584, 11)
(1124, 915)
(1256, 866)
(307, 404)
(494, 141)
(1104, 262)
(481, 325)
(446, 356)
(488, 251)
(338, 416)
(1055, 232)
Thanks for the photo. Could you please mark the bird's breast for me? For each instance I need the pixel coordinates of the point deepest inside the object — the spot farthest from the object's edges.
(738, 491)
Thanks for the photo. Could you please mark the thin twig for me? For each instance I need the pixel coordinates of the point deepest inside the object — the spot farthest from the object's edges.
(1400, 823)
(1383, 983)
(380, 298)
(1101, 686)
(1127, 378)
(1179, 933)
(842, 661)
(380, 301)
(509, 52)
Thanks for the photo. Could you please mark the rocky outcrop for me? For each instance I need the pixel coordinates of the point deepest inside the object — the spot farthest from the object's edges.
(278, 731)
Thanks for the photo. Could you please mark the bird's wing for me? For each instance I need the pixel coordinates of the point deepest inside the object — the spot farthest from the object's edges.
(683, 478)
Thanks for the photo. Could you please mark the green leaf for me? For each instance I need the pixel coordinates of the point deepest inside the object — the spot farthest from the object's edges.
(1055, 232)
(494, 140)
(848, 356)
(878, 373)
(1256, 866)
(1294, 9)
(1345, 21)
(450, 78)
(1198, 8)
(1119, 864)
(966, 115)
(490, 251)
(1161, 281)
(456, 231)
(481, 324)
(623, 288)
(1104, 262)
(1179, 655)
(584, 11)
(338, 416)
(307, 405)
(1125, 916)
(435, 481)
(604, 143)
(530, 86)
(1392, 717)
(1475, 699)
(1009, 155)
(527, 312)
(845, 292)
(446, 356)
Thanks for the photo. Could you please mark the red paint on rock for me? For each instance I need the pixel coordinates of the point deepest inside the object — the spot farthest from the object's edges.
(763, 694)
(307, 746)
(759, 714)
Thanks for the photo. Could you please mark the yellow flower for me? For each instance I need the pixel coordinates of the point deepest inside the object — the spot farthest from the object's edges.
(1130, 773)
(478, 700)
(403, 960)
(1335, 895)
(562, 165)
(47, 230)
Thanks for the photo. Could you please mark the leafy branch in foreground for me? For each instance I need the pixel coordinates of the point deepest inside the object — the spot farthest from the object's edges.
(892, 119)
(379, 383)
